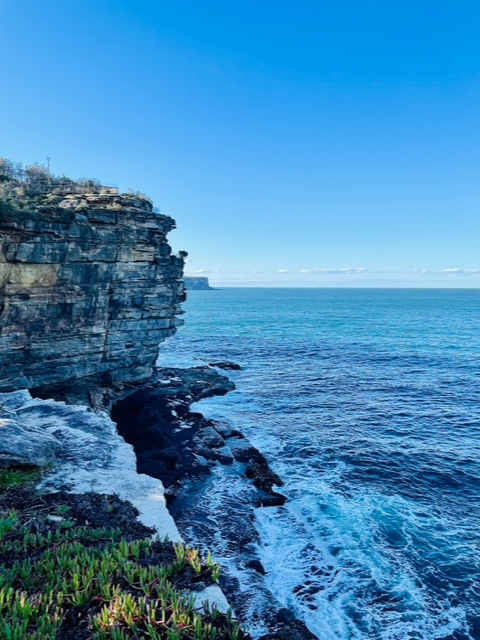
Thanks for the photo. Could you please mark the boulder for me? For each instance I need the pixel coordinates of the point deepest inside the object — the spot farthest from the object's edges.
(27, 446)
(195, 382)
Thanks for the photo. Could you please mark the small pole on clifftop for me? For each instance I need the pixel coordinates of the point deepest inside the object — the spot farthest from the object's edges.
(48, 165)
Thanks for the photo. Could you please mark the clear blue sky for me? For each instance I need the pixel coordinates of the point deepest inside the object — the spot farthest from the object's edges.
(296, 143)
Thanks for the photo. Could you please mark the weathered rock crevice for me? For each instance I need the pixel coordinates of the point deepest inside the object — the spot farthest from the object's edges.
(94, 297)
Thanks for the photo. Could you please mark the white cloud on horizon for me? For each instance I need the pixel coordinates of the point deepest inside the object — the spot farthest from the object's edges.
(197, 272)
(286, 275)
(347, 271)
(449, 272)
(239, 280)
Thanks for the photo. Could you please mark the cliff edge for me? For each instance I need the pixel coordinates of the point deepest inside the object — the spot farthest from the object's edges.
(93, 294)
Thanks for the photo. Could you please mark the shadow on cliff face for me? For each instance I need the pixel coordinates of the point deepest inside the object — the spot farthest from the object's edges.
(79, 392)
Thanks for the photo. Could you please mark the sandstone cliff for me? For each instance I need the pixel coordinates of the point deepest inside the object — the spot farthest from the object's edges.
(192, 282)
(94, 296)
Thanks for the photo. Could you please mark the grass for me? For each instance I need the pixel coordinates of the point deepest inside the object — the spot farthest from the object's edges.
(16, 477)
(76, 582)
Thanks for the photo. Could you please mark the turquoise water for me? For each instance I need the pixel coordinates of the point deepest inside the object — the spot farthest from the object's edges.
(366, 402)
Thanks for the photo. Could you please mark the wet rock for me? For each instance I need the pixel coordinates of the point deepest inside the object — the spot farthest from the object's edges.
(173, 443)
(256, 565)
(270, 499)
(227, 365)
(202, 382)
(288, 628)
(258, 470)
(261, 474)
(208, 437)
(243, 451)
(226, 430)
(184, 449)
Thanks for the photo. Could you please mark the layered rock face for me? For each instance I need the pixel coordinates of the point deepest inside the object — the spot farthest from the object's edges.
(192, 282)
(95, 296)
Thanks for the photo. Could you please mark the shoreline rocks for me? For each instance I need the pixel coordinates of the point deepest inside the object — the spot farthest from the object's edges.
(176, 444)
(226, 365)
(185, 451)
(178, 452)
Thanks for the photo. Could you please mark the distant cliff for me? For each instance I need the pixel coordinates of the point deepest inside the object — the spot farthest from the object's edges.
(196, 283)
(92, 294)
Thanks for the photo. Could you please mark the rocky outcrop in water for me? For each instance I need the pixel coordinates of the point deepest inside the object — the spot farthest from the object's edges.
(91, 297)
(200, 283)
(174, 443)
(185, 450)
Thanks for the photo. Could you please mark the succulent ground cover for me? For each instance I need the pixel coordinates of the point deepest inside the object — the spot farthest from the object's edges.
(83, 567)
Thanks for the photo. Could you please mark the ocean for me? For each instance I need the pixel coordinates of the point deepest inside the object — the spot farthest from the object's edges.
(366, 403)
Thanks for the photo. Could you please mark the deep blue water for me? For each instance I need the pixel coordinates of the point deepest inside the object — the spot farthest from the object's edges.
(366, 402)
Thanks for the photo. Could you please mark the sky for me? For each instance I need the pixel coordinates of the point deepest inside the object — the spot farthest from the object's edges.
(296, 143)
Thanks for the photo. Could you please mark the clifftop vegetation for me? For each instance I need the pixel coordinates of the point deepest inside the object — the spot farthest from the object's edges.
(32, 192)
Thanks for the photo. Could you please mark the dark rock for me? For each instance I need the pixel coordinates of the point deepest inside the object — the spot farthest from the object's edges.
(173, 443)
(226, 430)
(181, 447)
(243, 451)
(287, 627)
(261, 474)
(256, 565)
(208, 437)
(192, 384)
(256, 466)
(225, 364)
(270, 499)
